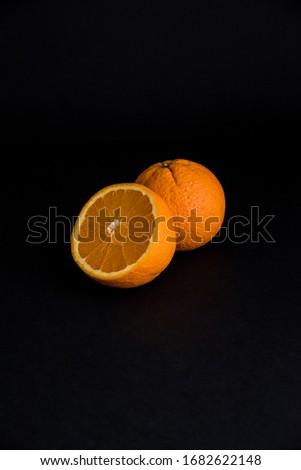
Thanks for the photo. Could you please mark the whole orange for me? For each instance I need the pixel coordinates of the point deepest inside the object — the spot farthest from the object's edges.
(194, 196)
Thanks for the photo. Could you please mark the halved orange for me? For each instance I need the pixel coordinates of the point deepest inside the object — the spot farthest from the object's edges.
(123, 236)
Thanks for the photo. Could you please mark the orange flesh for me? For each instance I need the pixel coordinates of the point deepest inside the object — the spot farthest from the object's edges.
(109, 238)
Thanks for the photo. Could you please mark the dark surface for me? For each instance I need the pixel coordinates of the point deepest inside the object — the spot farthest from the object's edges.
(206, 356)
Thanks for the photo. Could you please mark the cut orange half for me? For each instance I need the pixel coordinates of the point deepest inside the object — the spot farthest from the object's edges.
(123, 236)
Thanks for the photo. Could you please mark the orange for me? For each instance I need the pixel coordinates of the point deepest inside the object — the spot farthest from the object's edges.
(194, 195)
(122, 236)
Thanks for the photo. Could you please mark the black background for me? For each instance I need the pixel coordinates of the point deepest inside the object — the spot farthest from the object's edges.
(208, 354)
(90, 70)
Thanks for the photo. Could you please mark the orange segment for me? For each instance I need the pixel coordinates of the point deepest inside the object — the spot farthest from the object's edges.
(122, 236)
